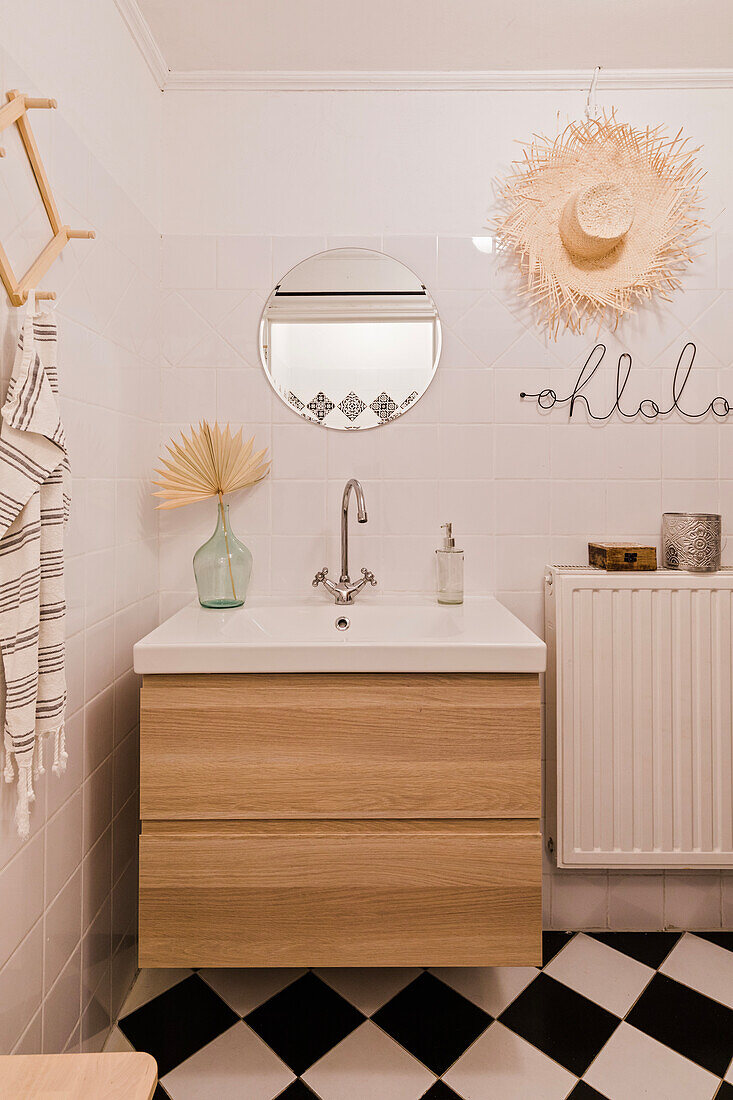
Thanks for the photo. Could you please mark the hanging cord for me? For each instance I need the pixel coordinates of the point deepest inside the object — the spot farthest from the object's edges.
(591, 107)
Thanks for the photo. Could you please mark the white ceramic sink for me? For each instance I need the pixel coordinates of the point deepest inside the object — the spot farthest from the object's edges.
(401, 634)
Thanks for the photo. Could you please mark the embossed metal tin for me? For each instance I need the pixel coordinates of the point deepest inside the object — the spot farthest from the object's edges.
(691, 541)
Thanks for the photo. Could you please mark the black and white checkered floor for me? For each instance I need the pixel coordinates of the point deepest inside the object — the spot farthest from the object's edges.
(616, 1015)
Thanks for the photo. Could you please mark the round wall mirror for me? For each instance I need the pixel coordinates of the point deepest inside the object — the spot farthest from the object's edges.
(350, 339)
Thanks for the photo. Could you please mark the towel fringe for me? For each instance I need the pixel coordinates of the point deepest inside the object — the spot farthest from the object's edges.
(28, 772)
(22, 811)
(38, 768)
(60, 755)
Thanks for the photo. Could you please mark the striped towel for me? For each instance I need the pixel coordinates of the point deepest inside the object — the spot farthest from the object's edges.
(34, 505)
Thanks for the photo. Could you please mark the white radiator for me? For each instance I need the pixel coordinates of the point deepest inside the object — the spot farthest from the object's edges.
(640, 718)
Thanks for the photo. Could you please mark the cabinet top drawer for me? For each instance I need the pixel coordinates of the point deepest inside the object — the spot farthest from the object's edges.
(292, 746)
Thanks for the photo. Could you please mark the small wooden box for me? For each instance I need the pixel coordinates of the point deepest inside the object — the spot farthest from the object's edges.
(620, 557)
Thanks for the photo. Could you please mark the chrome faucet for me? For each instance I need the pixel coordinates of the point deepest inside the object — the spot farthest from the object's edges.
(344, 591)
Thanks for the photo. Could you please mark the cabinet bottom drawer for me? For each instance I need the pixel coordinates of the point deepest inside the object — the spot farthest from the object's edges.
(340, 893)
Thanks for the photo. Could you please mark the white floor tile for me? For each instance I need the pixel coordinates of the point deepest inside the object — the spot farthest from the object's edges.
(702, 965)
(600, 973)
(729, 1074)
(117, 1043)
(368, 987)
(633, 1064)
(490, 987)
(235, 1064)
(149, 984)
(368, 1065)
(500, 1064)
(244, 990)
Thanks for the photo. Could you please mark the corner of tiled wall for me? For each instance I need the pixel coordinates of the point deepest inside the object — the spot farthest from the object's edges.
(68, 931)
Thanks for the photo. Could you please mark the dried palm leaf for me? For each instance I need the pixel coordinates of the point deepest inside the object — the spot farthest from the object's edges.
(210, 463)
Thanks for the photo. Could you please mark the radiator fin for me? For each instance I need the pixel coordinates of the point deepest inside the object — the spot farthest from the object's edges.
(644, 719)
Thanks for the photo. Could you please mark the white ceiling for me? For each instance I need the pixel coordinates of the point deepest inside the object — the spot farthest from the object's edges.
(442, 35)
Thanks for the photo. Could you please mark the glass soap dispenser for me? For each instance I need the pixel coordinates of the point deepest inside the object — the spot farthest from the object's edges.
(449, 563)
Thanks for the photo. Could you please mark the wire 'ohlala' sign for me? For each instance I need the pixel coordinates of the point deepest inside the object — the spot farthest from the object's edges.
(648, 407)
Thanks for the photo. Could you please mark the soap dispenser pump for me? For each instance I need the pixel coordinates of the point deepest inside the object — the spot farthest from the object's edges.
(449, 562)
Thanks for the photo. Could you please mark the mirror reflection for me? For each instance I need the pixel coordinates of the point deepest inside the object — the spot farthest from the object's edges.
(350, 339)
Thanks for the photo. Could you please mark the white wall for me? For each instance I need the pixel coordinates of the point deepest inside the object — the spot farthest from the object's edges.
(398, 163)
(81, 53)
(256, 181)
(68, 895)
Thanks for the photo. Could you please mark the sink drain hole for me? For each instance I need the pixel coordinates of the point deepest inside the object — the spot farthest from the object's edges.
(343, 623)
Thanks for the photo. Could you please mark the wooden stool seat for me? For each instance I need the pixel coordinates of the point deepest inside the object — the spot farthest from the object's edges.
(130, 1076)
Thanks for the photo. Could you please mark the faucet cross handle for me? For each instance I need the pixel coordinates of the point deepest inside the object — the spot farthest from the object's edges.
(369, 577)
(320, 577)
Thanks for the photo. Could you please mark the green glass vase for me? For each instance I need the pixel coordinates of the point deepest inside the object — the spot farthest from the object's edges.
(222, 566)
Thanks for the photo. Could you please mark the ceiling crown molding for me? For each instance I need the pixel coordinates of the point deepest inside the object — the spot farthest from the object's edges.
(408, 81)
(497, 80)
(138, 27)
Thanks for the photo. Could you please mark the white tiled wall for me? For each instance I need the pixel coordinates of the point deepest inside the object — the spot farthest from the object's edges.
(409, 174)
(68, 895)
(522, 487)
(275, 176)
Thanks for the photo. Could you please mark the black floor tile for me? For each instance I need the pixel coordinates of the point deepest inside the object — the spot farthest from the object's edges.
(563, 1024)
(432, 1021)
(160, 1093)
(304, 1021)
(552, 942)
(725, 1092)
(440, 1091)
(650, 948)
(686, 1021)
(297, 1090)
(582, 1091)
(723, 939)
(179, 1022)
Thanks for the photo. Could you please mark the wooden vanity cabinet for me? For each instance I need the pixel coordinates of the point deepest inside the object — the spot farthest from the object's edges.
(340, 820)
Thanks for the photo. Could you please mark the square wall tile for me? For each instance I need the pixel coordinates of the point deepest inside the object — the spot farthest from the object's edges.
(63, 844)
(725, 260)
(188, 262)
(299, 451)
(690, 451)
(21, 887)
(289, 251)
(62, 931)
(244, 262)
(420, 254)
(579, 900)
(692, 901)
(62, 1007)
(21, 988)
(465, 452)
(462, 266)
(636, 902)
(522, 452)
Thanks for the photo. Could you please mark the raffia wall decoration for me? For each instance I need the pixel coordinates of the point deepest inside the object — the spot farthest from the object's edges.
(601, 218)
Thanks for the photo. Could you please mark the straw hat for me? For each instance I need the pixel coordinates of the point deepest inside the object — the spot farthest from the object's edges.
(601, 217)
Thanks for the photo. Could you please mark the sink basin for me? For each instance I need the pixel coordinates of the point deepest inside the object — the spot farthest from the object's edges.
(400, 634)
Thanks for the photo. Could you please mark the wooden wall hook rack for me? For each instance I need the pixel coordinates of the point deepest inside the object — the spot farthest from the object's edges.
(15, 111)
